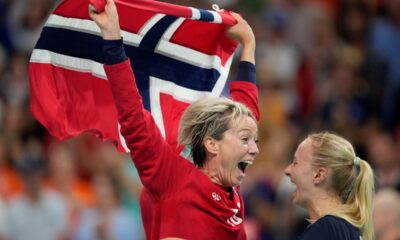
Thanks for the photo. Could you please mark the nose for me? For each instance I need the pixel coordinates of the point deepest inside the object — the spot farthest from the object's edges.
(288, 170)
(253, 148)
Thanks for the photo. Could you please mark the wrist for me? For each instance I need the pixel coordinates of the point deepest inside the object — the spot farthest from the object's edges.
(249, 43)
(248, 53)
(111, 35)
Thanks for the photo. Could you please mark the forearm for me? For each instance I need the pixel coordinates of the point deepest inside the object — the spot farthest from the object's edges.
(248, 52)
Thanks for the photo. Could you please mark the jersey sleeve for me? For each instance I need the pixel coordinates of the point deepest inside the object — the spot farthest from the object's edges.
(244, 88)
(156, 162)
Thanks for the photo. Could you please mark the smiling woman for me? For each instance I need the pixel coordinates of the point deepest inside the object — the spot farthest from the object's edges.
(335, 186)
(181, 200)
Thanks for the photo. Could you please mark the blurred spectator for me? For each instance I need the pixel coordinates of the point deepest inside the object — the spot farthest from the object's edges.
(91, 156)
(6, 45)
(304, 16)
(385, 40)
(10, 180)
(353, 27)
(278, 58)
(121, 168)
(63, 177)
(38, 214)
(2, 112)
(15, 122)
(344, 103)
(383, 155)
(107, 219)
(25, 21)
(387, 215)
(14, 84)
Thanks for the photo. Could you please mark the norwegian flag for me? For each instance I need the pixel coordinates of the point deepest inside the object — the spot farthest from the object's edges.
(179, 55)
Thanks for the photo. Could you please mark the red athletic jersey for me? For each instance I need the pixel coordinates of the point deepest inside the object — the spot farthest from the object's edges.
(178, 199)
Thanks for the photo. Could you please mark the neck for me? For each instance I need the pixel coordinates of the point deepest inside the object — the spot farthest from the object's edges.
(211, 171)
(322, 204)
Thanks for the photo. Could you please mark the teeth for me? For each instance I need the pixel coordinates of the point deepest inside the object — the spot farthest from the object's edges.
(248, 162)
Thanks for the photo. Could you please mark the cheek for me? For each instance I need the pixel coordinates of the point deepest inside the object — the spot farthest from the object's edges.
(294, 172)
(236, 148)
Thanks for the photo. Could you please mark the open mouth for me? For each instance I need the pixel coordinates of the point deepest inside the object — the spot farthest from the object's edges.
(243, 165)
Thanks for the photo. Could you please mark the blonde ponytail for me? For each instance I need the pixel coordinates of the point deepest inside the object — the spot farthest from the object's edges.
(358, 208)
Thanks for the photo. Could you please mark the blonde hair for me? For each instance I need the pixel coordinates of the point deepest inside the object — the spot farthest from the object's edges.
(352, 179)
(208, 117)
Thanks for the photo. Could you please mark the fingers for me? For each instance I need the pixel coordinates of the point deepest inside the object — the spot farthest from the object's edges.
(238, 17)
(91, 8)
(92, 11)
(110, 4)
(98, 5)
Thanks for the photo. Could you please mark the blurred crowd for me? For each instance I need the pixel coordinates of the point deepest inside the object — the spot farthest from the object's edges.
(321, 65)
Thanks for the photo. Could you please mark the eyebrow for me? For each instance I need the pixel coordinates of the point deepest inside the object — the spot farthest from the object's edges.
(247, 130)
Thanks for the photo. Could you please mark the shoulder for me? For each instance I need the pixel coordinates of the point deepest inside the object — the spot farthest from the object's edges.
(331, 227)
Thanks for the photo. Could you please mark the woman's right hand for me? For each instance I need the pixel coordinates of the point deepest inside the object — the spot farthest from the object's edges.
(107, 21)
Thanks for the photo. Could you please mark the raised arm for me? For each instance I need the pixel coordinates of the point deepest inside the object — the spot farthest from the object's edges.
(244, 88)
(153, 157)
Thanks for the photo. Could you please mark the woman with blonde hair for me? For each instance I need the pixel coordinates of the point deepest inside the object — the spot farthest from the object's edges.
(335, 186)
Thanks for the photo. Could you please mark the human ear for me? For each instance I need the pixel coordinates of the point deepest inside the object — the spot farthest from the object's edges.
(320, 175)
(211, 145)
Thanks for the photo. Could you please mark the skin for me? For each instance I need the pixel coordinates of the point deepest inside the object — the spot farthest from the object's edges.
(312, 183)
(239, 143)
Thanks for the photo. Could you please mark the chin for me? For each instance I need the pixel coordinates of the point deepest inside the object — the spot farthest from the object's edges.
(239, 181)
(296, 200)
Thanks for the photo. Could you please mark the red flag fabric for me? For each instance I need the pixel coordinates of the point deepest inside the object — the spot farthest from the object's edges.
(179, 55)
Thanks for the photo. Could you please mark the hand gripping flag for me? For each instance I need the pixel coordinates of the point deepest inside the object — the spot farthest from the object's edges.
(179, 55)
